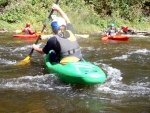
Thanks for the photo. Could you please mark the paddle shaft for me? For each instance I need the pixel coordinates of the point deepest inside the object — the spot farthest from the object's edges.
(44, 26)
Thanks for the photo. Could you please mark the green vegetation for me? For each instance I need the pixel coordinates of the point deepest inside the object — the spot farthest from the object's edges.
(86, 15)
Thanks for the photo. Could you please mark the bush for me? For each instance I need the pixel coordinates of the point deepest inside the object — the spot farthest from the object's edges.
(3, 3)
(84, 14)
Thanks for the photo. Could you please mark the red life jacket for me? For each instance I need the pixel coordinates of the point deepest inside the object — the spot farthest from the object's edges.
(124, 29)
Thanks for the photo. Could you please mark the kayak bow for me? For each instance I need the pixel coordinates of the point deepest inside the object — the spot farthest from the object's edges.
(82, 72)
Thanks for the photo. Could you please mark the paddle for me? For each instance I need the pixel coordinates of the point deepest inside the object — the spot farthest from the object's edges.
(26, 60)
(43, 37)
(18, 31)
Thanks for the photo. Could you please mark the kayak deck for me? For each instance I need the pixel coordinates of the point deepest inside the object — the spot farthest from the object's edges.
(32, 36)
(81, 72)
(26, 36)
(116, 37)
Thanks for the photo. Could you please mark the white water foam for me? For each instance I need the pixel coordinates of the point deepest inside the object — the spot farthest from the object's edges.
(140, 51)
(39, 82)
(27, 82)
(4, 61)
(115, 86)
(24, 48)
(89, 48)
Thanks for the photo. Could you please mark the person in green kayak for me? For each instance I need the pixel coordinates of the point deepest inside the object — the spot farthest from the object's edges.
(27, 29)
(112, 30)
(64, 43)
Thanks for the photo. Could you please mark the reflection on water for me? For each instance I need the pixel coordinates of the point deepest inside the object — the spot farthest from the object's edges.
(29, 88)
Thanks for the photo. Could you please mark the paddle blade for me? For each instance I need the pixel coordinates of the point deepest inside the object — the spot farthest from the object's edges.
(18, 31)
(24, 61)
(82, 36)
(27, 58)
(43, 33)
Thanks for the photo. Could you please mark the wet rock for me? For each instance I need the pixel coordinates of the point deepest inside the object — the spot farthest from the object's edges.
(4, 30)
(147, 34)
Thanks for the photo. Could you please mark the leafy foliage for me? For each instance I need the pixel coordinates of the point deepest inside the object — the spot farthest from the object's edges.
(3, 3)
(127, 9)
(87, 12)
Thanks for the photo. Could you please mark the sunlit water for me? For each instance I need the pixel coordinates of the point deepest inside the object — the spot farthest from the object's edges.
(29, 89)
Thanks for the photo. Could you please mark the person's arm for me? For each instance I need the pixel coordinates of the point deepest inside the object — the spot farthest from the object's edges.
(61, 12)
(23, 30)
(118, 32)
(31, 32)
(108, 32)
(38, 49)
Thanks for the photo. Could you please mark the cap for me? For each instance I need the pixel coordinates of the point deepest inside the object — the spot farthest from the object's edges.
(56, 23)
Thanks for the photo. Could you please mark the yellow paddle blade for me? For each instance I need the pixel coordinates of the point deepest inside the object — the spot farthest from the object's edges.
(82, 36)
(43, 37)
(39, 32)
(24, 61)
(18, 31)
(27, 58)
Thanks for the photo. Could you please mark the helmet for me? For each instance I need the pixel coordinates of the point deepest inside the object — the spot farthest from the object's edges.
(27, 24)
(55, 26)
(112, 25)
(61, 21)
(57, 23)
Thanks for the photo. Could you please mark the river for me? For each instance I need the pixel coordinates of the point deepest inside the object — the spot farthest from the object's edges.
(29, 89)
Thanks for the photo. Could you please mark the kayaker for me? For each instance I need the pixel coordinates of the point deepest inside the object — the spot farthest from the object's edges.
(124, 29)
(27, 29)
(64, 44)
(112, 30)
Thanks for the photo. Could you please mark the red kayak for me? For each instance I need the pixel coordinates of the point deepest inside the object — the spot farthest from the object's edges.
(26, 36)
(116, 37)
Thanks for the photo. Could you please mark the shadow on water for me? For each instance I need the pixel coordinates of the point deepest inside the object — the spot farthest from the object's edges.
(28, 88)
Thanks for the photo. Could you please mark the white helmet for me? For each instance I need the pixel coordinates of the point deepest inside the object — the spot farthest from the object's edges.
(61, 21)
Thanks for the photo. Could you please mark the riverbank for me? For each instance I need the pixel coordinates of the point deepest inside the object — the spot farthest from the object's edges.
(86, 18)
(131, 32)
(81, 29)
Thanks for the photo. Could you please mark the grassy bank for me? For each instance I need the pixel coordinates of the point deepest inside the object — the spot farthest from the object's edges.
(83, 17)
(80, 27)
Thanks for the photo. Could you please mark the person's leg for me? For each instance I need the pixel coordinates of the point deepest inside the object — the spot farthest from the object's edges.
(53, 57)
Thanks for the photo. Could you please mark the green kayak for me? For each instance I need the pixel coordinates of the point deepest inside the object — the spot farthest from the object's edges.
(82, 72)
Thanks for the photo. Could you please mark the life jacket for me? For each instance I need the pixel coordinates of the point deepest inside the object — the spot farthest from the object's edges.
(26, 31)
(69, 46)
(124, 29)
(112, 32)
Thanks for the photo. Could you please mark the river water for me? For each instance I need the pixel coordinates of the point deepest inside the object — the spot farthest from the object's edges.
(29, 89)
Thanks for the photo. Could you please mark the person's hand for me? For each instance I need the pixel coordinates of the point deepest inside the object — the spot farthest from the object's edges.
(55, 7)
(35, 47)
